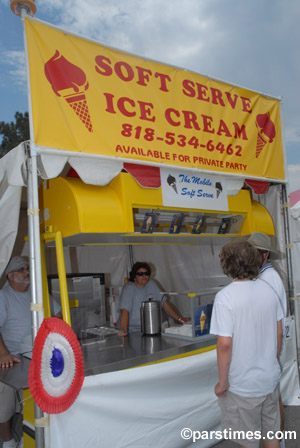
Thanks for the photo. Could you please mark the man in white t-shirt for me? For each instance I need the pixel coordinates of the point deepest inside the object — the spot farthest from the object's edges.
(247, 319)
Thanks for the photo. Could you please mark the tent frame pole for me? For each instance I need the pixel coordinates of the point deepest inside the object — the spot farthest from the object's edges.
(36, 287)
(291, 290)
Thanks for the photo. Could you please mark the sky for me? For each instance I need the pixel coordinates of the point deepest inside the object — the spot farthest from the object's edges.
(249, 43)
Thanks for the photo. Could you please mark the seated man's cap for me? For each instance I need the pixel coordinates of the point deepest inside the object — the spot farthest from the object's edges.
(15, 264)
(263, 242)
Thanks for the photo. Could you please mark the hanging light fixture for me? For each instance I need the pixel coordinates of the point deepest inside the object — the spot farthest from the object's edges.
(28, 5)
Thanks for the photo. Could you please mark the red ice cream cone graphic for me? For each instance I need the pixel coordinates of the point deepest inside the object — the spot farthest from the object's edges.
(79, 105)
(69, 81)
(266, 132)
(260, 144)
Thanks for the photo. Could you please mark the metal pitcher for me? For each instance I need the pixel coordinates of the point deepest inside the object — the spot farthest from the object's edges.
(150, 318)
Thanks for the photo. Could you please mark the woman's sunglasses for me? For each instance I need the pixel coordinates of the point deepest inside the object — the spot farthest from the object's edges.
(141, 273)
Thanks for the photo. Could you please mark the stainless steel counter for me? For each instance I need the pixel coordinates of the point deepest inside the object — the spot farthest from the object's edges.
(116, 353)
(16, 376)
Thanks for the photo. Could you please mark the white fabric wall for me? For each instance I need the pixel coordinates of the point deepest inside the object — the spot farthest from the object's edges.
(183, 269)
(289, 384)
(111, 260)
(11, 182)
(295, 236)
(143, 407)
(10, 208)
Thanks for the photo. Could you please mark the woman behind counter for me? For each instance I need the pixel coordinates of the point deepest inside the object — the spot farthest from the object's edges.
(140, 288)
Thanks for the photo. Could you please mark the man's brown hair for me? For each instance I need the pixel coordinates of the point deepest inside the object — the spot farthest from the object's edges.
(239, 259)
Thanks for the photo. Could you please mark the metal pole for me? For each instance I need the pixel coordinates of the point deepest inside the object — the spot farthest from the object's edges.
(35, 270)
(131, 257)
(288, 250)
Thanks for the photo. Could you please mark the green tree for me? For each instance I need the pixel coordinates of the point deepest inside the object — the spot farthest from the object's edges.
(14, 133)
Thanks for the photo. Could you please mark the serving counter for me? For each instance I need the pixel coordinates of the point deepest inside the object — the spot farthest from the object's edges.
(120, 405)
(115, 353)
(112, 383)
(118, 353)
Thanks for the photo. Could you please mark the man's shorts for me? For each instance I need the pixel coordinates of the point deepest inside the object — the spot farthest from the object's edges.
(8, 402)
(259, 415)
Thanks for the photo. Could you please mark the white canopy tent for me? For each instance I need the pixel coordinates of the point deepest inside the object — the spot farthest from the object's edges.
(198, 265)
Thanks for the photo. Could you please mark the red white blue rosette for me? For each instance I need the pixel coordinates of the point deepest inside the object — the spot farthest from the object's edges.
(56, 371)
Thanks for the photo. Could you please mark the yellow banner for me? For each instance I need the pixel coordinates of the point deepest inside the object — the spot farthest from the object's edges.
(92, 99)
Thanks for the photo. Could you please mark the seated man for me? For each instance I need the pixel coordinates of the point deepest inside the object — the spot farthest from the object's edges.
(15, 326)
